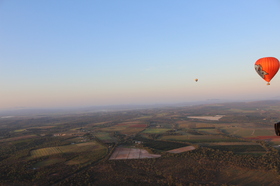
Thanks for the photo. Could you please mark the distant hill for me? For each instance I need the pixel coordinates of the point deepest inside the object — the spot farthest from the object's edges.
(109, 108)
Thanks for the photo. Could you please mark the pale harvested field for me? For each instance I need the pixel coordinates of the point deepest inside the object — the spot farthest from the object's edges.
(121, 153)
(182, 149)
(214, 118)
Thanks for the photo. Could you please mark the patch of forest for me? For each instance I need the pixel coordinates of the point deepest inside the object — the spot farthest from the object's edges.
(199, 167)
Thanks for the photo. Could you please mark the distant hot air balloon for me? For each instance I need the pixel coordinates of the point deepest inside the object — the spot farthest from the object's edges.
(267, 67)
(196, 80)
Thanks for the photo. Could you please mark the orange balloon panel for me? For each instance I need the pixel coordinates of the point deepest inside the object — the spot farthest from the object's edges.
(267, 67)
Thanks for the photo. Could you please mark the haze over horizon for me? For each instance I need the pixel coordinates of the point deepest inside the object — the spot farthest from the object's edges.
(78, 54)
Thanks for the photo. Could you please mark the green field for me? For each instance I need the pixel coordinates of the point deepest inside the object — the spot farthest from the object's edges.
(155, 130)
(80, 153)
(103, 136)
(247, 132)
(89, 156)
(209, 131)
(106, 137)
(264, 132)
(242, 110)
(48, 162)
(199, 138)
(124, 128)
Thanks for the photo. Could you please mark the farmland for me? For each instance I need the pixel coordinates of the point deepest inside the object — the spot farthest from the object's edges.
(214, 118)
(131, 153)
(104, 136)
(147, 146)
(80, 147)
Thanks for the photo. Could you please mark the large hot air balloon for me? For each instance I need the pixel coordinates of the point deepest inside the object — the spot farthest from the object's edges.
(277, 128)
(267, 67)
(196, 80)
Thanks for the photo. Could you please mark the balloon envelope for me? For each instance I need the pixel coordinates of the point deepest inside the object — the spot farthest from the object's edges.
(267, 67)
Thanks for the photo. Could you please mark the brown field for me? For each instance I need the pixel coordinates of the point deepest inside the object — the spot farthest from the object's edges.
(248, 177)
(100, 123)
(144, 117)
(122, 124)
(139, 125)
(183, 122)
(20, 130)
(271, 138)
(132, 122)
(234, 143)
(131, 131)
(113, 128)
(182, 149)
(43, 127)
(128, 128)
(18, 138)
(131, 153)
(190, 124)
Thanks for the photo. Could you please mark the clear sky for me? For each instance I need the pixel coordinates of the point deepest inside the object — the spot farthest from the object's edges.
(105, 52)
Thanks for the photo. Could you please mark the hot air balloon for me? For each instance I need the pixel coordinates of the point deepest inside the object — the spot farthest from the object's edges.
(267, 67)
(196, 80)
(277, 128)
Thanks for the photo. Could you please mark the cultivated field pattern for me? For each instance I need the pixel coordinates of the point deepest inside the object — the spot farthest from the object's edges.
(211, 144)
